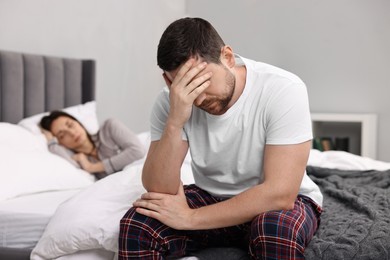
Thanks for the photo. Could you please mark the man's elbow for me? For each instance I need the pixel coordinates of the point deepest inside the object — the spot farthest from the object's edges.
(158, 189)
(284, 201)
(156, 186)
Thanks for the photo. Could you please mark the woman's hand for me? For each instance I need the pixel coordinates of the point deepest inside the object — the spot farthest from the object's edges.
(49, 136)
(85, 164)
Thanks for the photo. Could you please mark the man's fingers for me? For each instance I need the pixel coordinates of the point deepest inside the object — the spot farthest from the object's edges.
(199, 90)
(187, 73)
(183, 70)
(199, 81)
(151, 205)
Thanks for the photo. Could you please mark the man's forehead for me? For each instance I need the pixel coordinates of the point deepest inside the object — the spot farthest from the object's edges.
(172, 74)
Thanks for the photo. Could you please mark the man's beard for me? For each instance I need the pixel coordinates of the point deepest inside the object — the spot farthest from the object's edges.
(219, 105)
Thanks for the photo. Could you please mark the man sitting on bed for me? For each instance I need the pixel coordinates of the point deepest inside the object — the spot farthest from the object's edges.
(248, 127)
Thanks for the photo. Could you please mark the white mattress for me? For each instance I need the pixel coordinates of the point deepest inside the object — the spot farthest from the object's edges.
(23, 219)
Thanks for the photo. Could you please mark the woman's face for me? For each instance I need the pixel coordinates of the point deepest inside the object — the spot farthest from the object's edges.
(69, 132)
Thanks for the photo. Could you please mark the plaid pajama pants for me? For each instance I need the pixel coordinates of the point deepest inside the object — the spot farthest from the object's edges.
(271, 235)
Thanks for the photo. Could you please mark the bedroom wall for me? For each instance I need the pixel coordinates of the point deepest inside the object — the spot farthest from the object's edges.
(339, 48)
(121, 35)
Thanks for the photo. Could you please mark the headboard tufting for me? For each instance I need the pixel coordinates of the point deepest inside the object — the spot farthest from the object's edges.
(32, 84)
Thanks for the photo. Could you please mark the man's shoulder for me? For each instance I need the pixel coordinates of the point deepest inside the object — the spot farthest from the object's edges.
(164, 93)
(162, 99)
(271, 71)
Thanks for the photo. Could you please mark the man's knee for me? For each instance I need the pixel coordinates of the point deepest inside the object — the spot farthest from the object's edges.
(133, 225)
(127, 227)
(148, 238)
(274, 234)
(135, 235)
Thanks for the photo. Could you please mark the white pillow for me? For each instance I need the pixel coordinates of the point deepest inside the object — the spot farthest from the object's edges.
(85, 113)
(16, 137)
(26, 166)
(27, 172)
(90, 219)
(345, 161)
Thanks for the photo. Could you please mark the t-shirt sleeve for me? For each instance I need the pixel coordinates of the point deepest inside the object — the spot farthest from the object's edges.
(288, 118)
(131, 148)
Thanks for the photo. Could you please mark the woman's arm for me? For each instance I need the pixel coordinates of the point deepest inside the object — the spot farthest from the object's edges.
(56, 148)
(114, 132)
(91, 167)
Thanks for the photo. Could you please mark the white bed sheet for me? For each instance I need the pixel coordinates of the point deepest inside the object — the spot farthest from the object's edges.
(23, 219)
(101, 254)
(93, 254)
(345, 161)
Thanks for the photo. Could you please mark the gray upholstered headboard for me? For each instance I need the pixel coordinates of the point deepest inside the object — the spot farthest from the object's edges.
(32, 84)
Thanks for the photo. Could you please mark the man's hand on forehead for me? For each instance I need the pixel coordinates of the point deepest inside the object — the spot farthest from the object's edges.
(186, 84)
(185, 73)
(193, 63)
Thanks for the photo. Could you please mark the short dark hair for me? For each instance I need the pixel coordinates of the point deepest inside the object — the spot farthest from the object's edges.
(47, 121)
(186, 38)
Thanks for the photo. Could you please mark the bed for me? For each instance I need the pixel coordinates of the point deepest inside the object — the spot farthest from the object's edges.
(30, 85)
(355, 222)
(65, 215)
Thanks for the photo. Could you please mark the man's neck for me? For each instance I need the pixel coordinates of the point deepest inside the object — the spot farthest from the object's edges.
(240, 73)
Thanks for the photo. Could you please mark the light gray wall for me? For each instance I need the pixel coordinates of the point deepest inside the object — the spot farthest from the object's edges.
(341, 49)
(121, 35)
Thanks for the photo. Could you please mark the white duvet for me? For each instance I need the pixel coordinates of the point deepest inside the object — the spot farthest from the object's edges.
(90, 220)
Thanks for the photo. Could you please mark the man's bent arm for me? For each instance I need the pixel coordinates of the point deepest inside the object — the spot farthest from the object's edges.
(284, 167)
(161, 172)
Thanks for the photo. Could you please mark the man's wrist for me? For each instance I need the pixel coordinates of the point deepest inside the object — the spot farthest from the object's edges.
(172, 130)
(172, 125)
(193, 220)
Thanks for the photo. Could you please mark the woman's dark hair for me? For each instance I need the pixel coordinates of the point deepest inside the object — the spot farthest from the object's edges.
(186, 38)
(47, 121)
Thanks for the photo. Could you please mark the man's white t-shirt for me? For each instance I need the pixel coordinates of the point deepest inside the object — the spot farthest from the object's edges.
(227, 150)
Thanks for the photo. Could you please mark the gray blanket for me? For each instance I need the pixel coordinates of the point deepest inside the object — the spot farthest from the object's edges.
(355, 223)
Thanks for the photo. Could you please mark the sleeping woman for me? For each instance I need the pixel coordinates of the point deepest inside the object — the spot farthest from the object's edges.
(108, 151)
